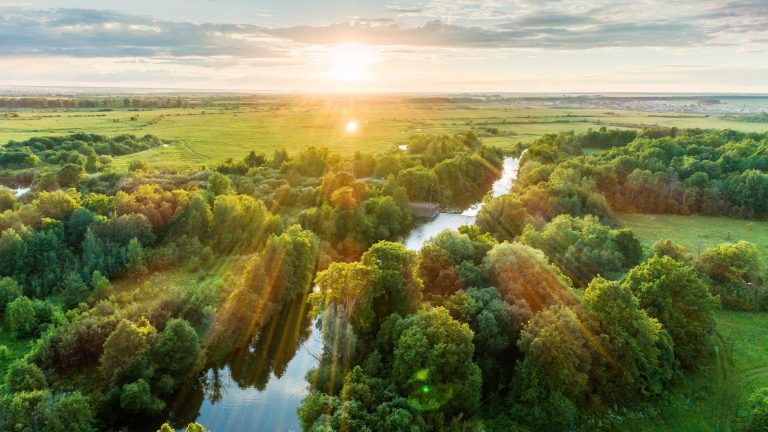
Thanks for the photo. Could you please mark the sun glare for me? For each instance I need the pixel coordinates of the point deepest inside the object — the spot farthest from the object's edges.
(350, 61)
(352, 126)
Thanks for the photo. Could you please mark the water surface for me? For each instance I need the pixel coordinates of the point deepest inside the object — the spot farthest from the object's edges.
(259, 387)
(452, 221)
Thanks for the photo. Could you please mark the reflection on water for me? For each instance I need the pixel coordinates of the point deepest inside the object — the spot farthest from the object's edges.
(260, 386)
(452, 221)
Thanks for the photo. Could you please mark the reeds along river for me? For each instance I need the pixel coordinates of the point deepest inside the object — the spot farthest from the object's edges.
(260, 386)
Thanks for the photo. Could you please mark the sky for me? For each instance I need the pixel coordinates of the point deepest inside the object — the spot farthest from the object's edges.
(389, 46)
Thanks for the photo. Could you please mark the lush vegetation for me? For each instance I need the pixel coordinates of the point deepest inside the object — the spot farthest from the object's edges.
(545, 315)
(109, 351)
(207, 123)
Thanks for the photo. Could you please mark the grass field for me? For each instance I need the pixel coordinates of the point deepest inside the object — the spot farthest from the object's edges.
(211, 134)
(716, 400)
(697, 233)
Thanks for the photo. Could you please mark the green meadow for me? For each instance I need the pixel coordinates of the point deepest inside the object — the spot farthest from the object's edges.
(209, 135)
(715, 400)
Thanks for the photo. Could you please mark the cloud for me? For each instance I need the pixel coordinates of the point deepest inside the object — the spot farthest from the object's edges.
(542, 25)
(512, 34)
(96, 33)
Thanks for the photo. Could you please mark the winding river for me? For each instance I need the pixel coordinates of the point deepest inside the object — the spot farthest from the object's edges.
(260, 387)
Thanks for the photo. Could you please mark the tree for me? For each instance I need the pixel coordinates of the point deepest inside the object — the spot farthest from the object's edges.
(527, 280)
(758, 407)
(558, 361)
(219, 184)
(70, 174)
(135, 257)
(495, 332)
(9, 291)
(176, 350)
(667, 247)
(504, 217)
(736, 273)
(124, 354)
(584, 248)
(432, 364)
(67, 412)
(673, 293)
(57, 205)
(73, 289)
(347, 289)
(23, 377)
(639, 358)
(20, 317)
(7, 199)
(137, 398)
(396, 285)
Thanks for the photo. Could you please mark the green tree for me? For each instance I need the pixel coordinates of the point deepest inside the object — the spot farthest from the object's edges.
(70, 174)
(675, 295)
(23, 376)
(9, 291)
(73, 289)
(396, 285)
(219, 184)
(137, 398)
(433, 363)
(758, 410)
(176, 350)
(7, 199)
(504, 217)
(135, 257)
(527, 280)
(638, 352)
(676, 251)
(67, 412)
(20, 317)
(125, 350)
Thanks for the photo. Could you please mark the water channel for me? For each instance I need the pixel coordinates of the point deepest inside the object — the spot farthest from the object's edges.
(260, 387)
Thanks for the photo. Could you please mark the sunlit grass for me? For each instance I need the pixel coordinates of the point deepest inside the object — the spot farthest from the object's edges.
(208, 135)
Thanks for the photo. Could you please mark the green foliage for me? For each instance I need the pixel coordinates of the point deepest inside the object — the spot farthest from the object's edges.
(495, 332)
(758, 410)
(176, 351)
(432, 363)
(7, 199)
(504, 217)
(9, 291)
(638, 351)
(73, 289)
(396, 287)
(675, 295)
(124, 356)
(24, 377)
(219, 184)
(667, 247)
(583, 248)
(137, 398)
(70, 175)
(21, 318)
(736, 273)
(527, 280)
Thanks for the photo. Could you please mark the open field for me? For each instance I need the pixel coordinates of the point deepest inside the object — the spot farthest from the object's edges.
(697, 233)
(208, 135)
(714, 401)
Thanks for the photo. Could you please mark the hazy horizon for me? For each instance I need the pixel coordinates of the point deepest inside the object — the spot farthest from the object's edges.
(405, 46)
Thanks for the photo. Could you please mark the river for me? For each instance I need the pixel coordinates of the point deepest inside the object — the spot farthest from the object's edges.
(260, 387)
(452, 221)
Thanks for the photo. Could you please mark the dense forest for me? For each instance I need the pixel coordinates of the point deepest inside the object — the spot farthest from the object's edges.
(543, 316)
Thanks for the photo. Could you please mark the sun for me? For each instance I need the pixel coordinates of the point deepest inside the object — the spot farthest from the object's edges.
(352, 126)
(349, 61)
